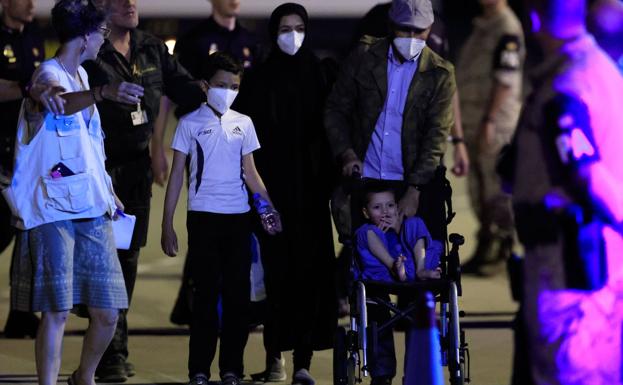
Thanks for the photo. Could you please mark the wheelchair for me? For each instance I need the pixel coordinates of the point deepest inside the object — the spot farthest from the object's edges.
(355, 346)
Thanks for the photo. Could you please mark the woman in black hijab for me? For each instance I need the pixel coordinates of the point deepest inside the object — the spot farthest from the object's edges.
(285, 98)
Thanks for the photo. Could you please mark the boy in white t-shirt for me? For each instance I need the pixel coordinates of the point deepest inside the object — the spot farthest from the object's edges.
(218, 144)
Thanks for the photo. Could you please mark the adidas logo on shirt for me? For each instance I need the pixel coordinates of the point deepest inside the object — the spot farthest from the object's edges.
(237, 131)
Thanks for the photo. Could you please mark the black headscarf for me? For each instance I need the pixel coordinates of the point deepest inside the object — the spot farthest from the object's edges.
(285, 96)
(281, 11)
(273, 31)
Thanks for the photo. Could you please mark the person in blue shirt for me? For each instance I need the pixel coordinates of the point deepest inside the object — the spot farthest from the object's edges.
(390, 248)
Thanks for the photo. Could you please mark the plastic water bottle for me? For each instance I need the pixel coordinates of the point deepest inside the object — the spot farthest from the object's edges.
(265, 210)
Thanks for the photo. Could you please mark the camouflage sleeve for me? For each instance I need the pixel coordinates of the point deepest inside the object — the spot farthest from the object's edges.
(507, 58)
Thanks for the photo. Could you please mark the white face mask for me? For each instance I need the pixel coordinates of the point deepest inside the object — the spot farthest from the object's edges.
(409, 47)
(290, 42)
(221, 99)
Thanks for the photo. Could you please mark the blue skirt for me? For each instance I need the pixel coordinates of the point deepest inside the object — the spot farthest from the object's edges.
(62, 264)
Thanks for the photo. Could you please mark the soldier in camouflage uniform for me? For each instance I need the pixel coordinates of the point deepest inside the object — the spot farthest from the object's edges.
(489, 75)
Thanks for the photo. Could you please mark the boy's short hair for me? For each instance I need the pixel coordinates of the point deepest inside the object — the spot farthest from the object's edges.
(224, 62)
(374, 187)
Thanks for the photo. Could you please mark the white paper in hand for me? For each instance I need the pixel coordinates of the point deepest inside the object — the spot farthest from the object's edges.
(123, 228)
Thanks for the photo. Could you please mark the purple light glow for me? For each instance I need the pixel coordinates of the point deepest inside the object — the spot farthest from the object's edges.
(535, 21)
(579, 333)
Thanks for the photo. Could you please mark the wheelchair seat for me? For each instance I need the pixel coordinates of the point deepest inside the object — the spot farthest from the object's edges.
(351, 346)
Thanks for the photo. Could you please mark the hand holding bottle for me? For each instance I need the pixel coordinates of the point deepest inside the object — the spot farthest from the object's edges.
(271, 220)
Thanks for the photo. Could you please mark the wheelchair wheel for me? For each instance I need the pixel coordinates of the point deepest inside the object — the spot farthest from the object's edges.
(351, 367)
(456, 362)
(456, 369)
(340, 357)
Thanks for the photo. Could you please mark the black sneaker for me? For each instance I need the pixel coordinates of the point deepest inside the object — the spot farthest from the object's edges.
(302, 377)
(199, 379)
(130, 370)
(230, 379)
(275, 371)
(112, 370)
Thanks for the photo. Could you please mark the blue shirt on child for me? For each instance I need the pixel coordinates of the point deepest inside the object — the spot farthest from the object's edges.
(370, 267)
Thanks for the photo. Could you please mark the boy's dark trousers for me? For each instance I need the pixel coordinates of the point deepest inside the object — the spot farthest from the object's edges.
(219, 257)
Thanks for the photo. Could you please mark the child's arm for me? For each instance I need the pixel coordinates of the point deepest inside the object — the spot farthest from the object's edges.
(253, 179)
(254, 182)
(168, 239)
(377, 248)
(419, 252)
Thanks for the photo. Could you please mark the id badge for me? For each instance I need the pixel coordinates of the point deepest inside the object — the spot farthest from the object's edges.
(139, 116)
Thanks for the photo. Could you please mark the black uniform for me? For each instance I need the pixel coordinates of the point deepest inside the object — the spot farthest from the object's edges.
(194, 47)
(127, 145)
(22, 52)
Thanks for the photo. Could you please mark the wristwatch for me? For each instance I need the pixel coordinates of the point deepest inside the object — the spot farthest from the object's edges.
(455, 139)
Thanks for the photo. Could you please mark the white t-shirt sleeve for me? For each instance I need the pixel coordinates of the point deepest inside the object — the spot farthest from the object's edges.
(250, 142)
(182, 140)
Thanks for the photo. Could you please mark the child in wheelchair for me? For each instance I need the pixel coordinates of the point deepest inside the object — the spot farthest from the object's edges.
(390, 247)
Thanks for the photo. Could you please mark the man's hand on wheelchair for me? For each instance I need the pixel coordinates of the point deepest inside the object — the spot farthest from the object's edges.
(351, 163)
(408, 204)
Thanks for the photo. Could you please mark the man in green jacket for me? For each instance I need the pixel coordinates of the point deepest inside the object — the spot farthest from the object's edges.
(390, 112)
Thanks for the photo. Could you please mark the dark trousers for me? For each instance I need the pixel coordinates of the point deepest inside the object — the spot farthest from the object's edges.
(119, 345)
(132, 182)
(219, 258)
(7, 232)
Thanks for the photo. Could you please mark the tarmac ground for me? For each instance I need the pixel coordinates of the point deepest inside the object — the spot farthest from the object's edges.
(159, 349)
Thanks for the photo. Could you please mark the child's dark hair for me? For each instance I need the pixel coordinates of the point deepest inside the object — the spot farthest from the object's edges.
(224, 62)
(73, 18)
(374, 187)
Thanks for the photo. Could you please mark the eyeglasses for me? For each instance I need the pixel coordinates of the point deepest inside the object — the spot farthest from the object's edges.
(105, 31)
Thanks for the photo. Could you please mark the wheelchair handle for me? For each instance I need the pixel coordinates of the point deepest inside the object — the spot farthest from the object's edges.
(456, 239)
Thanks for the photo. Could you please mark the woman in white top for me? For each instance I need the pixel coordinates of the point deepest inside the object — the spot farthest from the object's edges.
(61, 195)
